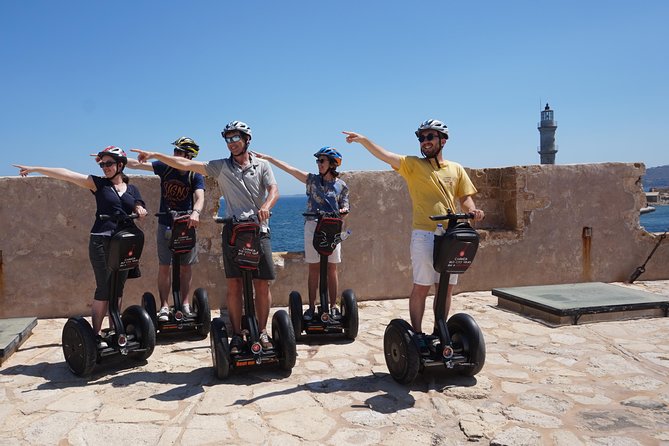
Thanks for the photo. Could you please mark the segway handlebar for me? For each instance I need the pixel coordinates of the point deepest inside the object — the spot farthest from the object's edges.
(174, 214)
(118, 217)
(324, 214)
(226, 220)
(452, 216)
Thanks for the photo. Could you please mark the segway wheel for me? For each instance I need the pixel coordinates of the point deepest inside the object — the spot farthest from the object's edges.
(283, 335)
(295, 309)
(402, 356)
(349, 314)
(149, 304)
(201, 306)
(137, 322)
(79, 346)
(467, 340)
(220, 349)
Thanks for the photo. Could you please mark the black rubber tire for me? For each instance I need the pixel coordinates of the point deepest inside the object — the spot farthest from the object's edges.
(79, 346)
(149, 304)
(220, 349)
(137, 322)
(295, 310)
(467, 340)
(201, 308)
(402, 356)
(349, 314)
(283, 335)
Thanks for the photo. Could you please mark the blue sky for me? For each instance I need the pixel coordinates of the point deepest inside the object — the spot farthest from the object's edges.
(80, 75)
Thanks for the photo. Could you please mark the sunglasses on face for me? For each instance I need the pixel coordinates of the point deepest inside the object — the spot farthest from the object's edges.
(231, 139)
(428, 137)
(322, 160)
(181, 152)
(106, 164)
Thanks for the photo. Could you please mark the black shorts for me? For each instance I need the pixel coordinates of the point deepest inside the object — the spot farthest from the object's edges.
(98, 246)
(265, 269)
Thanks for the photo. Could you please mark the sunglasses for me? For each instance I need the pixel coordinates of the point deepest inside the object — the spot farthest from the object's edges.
(322, 160)
(231, 139)
(428, 137)
(106, 164)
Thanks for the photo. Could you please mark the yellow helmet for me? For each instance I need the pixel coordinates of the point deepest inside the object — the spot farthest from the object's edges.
(187, 145)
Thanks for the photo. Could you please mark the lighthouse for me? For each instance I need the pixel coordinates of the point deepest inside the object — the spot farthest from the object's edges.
(547, 127)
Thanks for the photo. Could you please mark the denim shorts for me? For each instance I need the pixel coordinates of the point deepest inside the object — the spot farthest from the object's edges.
(98, 246)
(310, 253)
(422, 245)
(164, 253)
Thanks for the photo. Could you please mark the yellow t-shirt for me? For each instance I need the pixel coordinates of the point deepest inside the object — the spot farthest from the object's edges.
(434, 190)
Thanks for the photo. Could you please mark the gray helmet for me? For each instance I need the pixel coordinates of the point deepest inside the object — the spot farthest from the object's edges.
(237, 126)
(433, 124)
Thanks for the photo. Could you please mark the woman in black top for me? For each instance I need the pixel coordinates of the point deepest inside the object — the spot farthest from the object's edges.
(113, 196)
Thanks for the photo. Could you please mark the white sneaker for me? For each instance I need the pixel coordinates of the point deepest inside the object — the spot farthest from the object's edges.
(186, 310)
(164, 314)
(101, 342)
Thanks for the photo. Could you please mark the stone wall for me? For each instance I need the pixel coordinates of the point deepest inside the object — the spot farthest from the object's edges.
(545, 224)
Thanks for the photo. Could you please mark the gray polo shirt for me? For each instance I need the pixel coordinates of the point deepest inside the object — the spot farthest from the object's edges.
(244, 189)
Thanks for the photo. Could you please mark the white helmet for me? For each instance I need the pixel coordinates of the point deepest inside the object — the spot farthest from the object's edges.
(433, 124)
(237, 126)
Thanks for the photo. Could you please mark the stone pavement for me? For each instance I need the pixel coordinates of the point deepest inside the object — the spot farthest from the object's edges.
(604, 383)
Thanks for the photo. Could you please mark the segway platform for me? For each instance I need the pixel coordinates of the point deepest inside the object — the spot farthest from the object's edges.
(574, 303)
(14, 332)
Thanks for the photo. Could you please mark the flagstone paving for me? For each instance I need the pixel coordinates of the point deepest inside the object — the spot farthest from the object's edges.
(604, 383)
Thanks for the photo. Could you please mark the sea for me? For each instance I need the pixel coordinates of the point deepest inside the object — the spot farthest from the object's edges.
(287, 222)
(656, 221)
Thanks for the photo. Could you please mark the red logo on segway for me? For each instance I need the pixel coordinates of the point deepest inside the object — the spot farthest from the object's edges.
(462, 253)
(130, 253)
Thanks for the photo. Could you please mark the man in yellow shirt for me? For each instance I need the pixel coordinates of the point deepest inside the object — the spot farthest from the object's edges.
(435, 185)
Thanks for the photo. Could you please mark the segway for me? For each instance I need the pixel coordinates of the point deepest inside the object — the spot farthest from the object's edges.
(182, 241)
(327, 236)
(131, 334)
(246, 252)
(457, 344)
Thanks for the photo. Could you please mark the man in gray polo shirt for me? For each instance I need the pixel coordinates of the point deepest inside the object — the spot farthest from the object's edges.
(249, 188)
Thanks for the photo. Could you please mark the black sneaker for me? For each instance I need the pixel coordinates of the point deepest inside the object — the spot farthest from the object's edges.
(423, 349)
(236, 344)
(309, 314)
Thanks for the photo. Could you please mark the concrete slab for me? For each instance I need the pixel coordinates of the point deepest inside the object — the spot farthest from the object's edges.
(581, 302)
(13, 333)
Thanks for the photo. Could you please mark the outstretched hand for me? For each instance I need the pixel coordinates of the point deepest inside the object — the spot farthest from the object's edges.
(260, 155)
(143, 155)
(24, 170)
(354, 137)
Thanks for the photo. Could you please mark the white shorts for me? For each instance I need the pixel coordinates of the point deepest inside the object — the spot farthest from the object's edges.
(422, 244)
(310, 254)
